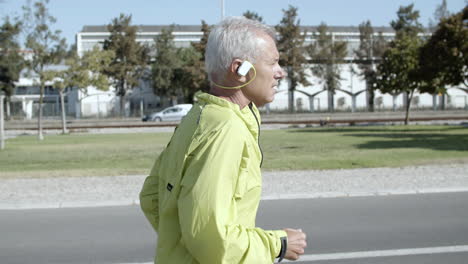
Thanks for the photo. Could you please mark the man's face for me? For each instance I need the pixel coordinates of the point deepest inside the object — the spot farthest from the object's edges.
(263, 88)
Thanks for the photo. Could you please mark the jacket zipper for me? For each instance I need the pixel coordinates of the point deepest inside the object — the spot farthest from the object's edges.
(258, 124)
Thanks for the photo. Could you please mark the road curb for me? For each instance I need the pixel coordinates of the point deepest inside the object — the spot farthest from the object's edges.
(362, 194)
(323, 195)
(59, 205)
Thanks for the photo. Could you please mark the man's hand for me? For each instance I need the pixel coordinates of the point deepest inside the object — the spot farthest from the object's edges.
(296, 243)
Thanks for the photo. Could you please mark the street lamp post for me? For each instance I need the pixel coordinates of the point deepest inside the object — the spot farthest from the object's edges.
(222, 9)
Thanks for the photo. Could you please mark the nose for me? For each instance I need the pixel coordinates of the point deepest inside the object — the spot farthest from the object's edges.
(281, 73)
(284, 73)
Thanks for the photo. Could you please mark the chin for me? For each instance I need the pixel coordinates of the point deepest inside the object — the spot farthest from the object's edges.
(264, 102)
(272, 98)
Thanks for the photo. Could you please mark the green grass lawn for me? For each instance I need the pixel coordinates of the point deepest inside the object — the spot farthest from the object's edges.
(364, 147)
(302, 149)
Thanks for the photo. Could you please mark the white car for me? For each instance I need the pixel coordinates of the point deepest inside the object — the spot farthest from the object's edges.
(173, 113)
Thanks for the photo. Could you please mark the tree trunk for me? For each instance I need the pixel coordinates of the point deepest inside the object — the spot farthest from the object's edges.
(434, 102)
(8, 108)
(291, 101)
(122, 92)
(291, 88)
(370, 97)
(189, 98)
(122, 106)
(40, 136)
(331, 105)
(64, 122)
(408, 104)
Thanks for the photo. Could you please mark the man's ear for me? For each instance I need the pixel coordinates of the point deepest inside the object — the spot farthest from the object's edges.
(235, 65)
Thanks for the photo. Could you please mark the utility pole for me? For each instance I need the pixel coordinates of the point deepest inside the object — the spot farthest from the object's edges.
(222, 9)
(2, 132)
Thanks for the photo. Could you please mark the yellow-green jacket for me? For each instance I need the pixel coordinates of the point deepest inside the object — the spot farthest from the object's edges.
(203, 192)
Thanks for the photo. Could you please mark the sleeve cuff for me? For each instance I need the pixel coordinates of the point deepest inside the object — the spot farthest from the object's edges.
(279, 247)
(284, 247)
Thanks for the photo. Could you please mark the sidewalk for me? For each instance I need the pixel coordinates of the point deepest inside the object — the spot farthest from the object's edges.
(123, 190)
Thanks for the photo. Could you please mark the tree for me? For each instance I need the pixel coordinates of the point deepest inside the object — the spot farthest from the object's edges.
(71, 52)
(190, 75)
(407, 23)
(292, 51)
(253, 15)
(59, 84)
(11, 61)
(93, 63)
(444, 57)
(369, 50)
(440, 13)
(47, 46)
(200, 47)
(81, 72)
(380, 45)
(128, 65)
(399, 70)
(164, 65)
(328, 54)
(177, 71)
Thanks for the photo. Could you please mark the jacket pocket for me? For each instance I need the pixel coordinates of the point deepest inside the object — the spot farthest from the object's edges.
(245, 183)
(241, 186)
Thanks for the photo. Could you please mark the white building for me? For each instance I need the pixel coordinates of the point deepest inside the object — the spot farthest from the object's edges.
(311, 98)
(142, 97)
(351, 82)
(25, 100)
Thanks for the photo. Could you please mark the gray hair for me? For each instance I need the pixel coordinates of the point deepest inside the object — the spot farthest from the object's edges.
(233, 38)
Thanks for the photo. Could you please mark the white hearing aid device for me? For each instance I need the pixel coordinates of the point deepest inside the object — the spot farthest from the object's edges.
(244, 68)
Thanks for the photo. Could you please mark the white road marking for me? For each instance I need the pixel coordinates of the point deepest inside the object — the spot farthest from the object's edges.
(383, 253)
(374, 254)
(66, 204)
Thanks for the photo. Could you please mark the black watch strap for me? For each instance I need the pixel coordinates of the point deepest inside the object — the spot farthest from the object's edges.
(284, 246)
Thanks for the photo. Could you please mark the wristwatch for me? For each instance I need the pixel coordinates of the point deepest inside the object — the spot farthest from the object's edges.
(284, 246)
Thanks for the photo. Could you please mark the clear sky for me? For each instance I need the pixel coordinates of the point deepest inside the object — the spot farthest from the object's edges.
(72, 15)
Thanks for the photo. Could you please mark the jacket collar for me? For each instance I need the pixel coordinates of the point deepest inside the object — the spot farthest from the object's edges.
(248, 114)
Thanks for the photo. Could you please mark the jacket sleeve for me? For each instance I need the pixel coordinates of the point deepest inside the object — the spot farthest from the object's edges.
(207, 209)
(149, 196)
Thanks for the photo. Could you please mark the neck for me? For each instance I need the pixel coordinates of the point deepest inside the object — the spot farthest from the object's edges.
(234, 96)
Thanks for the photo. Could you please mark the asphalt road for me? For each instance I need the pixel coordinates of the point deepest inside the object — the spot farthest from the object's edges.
(335, 227)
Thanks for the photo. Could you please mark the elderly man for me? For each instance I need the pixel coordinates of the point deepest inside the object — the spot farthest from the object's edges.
(203, 192)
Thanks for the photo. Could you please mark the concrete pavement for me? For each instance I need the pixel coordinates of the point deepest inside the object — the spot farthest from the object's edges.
(60, 192)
